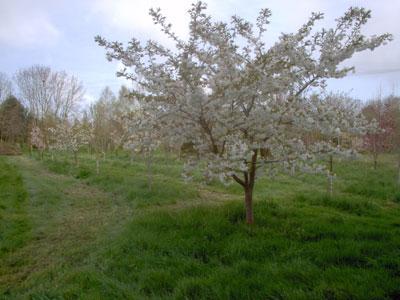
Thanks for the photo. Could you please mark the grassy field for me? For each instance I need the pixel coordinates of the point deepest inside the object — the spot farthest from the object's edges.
(68, 233)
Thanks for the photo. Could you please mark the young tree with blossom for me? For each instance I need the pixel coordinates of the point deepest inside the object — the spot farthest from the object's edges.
(339, 109)
(37, 140)
(143, 136)
(238, 102)
(70, 137)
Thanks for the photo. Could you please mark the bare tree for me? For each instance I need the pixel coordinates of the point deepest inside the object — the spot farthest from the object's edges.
(31, 83)
(66, 91)
(47, 93)
(6, 87)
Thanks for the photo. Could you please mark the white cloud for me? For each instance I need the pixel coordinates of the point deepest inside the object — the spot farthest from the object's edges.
(88, 99)
(132, 16)
(23, 23)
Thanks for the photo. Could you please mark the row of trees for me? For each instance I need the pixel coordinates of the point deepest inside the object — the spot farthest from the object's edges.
(107, 123)
(237, 107)
(116, 122)
(46, 115)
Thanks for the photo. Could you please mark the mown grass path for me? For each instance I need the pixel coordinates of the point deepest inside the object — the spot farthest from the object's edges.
(66, 218)
(68, 221)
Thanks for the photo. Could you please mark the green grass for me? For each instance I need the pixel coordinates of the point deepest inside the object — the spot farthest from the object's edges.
(14, 225)
(291, 253)
(109, 236)
(129, 180)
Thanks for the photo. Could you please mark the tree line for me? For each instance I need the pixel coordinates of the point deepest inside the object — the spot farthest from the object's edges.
(233, 107)
(43, 109)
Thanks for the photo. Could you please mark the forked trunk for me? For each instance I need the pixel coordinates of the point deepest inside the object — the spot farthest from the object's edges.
(247, 183)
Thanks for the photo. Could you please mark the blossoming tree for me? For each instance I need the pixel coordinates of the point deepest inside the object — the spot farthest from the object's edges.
(37, 140)
(335, 137)
(238, 102)
(143, 136)
(70, 137)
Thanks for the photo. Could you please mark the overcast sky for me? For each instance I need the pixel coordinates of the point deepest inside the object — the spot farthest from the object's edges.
(61, 33)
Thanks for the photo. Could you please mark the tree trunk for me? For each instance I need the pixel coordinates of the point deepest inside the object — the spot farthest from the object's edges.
(293, 171)
(330, 176)
(398, 172)
(97, 166)
(330, 184)
(148, 159)
(248, 200)
(76, 158)
(248, 185)
(375, 161)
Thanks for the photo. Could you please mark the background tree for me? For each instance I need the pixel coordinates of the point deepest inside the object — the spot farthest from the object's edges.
(121, 109)
(13, 121)
(6, 87)
(37, 140)
(143, 137)
(49, 95)
(392, 114)
(101, 115)
(70, 137)
(344, 108)
(238, 102)
(380, 140)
